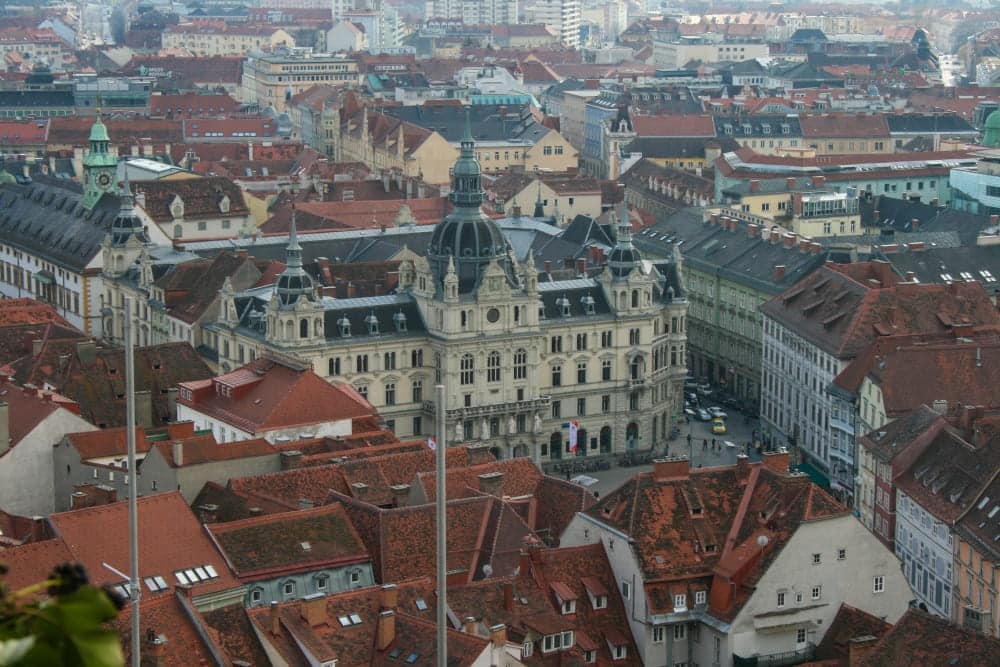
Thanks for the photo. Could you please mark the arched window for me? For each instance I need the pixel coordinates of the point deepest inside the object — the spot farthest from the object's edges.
(635, 368)
(303, 328)
(635, 298)
(416, 358)
(468, 367)
(673, 355)
(362, 363)
(493, 367)
(465, 319)
(520, 364)
(437, 367)
(288, 589)
(333, 366)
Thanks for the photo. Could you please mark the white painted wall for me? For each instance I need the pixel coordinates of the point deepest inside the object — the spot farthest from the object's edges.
(27, 482)
(843, 581)
(226, 432)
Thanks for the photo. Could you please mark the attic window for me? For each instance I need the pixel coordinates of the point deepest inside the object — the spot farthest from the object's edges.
(399, 319)
(589, 305)
(563, 304)
(156, 584)
(372, 323)
(345, 327)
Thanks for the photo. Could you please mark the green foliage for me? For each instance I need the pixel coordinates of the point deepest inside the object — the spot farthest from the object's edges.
(69, 626)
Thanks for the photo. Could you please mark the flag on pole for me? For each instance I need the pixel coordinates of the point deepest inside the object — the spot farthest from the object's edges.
(574, 426)
(432, 443)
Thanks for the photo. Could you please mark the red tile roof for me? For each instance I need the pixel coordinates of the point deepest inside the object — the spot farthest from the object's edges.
(921, 639)
(171, 619)
(14, 132)
(225, 70)
(26, 410)
(170, 539)
(275, 545)
(846, 126)
(267, 396)
(75, 131)
(202, 198)
(29, 311)
(32, 563)
(675, 126)
(843, 308)
(202, 449)
(364, 214)
(190, 105)
(709, 520)
(191, 288)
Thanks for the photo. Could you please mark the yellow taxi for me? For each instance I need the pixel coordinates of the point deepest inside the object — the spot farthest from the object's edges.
(718, 426)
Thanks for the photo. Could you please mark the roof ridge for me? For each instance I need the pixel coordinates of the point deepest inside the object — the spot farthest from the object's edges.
(734, 529)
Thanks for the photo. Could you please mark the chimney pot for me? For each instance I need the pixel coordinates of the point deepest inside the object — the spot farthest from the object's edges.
(498, 635)
(491, 483)
(779, 273)
(390, 596)
(275, 618)
(790, 183)
(508, 593)
(777, 461)
(177, 449)
(753, 230)
(469, 626)
(754, 185)
(674, 467)
(581, 266)
(548, 266)
(742, 468)
(789, 240)
(386, 633)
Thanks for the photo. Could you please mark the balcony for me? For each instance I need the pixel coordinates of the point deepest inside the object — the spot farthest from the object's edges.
(539, 404)
(797, 657)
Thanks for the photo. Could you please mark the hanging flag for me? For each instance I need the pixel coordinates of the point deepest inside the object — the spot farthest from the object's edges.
(432, 443)
(574, 426)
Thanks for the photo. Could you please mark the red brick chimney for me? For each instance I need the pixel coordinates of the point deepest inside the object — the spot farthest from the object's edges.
(859, 648)
(548, 266)
(313, 610)
(469, 625)
(491, 483)
(713, 219)
(390, 596)
(275, 619)
(818, 181)
(508, 592)
(154, 649)
(790, 182)
(498, 635)
(753, 230)
(581, 266)
(779, 273)
(674, 467)
(797, 203)
(754, 185)
(789, 240)
(777, 461)
(385, 635)
(742, 468)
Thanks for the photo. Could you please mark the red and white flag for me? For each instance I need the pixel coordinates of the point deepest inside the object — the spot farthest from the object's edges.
(574, 427)
(432, 443)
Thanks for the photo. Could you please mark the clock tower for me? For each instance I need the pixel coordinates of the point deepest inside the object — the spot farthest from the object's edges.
(99, 166)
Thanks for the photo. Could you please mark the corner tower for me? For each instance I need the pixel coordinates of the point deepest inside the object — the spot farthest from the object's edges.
(99, 166)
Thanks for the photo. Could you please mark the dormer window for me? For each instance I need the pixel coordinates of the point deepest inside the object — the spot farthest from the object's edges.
(399, 319)
(560, 641)
(563, 304)
(766, 129)
(372, 323)
(680, 603)
(700, 597)
(568, 607)
(596, 592)
(747, 128)
(589, 305)
(344, 325)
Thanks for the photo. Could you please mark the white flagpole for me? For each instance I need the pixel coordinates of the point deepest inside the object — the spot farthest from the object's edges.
(135, 593)
(442, 542)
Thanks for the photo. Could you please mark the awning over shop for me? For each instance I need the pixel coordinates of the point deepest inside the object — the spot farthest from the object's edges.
(815, 474)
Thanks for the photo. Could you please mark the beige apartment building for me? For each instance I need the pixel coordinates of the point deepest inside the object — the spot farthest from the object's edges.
(272, 79)
(208, 39)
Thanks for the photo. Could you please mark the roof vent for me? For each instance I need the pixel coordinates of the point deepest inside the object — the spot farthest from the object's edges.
(305, 546)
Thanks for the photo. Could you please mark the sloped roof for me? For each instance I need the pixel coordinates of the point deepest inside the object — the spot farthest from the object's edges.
(29, 311)
(843, 308)
(272, 396)
(170, 539)
(165, 616)
(32, 563)
(94, 376)
(202, 198)
(846, 126)
(202, 449)
(268, 546)
(677, 125)
(920, 638)
(190, 288)
(848, 624)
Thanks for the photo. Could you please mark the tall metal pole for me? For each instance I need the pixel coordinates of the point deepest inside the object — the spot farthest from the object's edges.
(135, 593)
(442, 542)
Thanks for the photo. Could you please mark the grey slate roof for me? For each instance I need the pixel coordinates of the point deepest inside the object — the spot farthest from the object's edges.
(486, 121)
(943, 265)
(913, 123)
(757, 126)
(574, 292)
(46, 219)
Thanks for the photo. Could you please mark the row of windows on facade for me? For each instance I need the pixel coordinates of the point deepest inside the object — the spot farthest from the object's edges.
(371, 324)
(289, 589)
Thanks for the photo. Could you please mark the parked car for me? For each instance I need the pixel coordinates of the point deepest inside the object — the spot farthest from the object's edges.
(705, 390)
(704, 415)
(716, 411)
(718, 426)
(692, 398)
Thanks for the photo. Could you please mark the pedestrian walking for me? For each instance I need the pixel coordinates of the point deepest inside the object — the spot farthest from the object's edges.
(704, 444)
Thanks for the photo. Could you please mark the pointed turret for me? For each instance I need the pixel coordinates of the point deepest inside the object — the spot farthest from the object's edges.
(294, 283)
(624, 257)
(539, 209)
(127, 224)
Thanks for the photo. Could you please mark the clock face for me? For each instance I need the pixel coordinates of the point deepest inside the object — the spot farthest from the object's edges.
(103, 180)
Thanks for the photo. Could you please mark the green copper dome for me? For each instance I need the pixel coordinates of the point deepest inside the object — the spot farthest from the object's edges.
(991, 130)
(99, 132)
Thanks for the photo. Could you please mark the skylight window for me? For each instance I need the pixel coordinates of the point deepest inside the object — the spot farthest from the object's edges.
(155, 584)
(412, 658)
(947, 277)
(993, 512)
(181, 577)
(987, 276)
(355, 619)
(967, 276)
(344, 621)
(421, 604)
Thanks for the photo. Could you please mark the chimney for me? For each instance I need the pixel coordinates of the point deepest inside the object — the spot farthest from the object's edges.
(935, 202)
(818, 181)
(386, 633)
(421, 190)
(777, 461)
(775, 236)
(910, 275)
(797, 206)
(789, 240)
(673, 467)
(877, 216)
(860, 648)
(144, 408)
(291, 459)
(313, 609)
(400, 494)
(491, 483)
(754, 185)
(548, 266)
(804, 245)
(36, 347)
(209, 513)
(4, 427)
(390, 596)
(516, 211)
(994, 219)
(78, 500)
(523, 568)
(508, 591)
(275, 618)
(469, 625)
(914, 224)
(714, 219)
(779, 273)
(753, 230)
(498, 635)
(742, 468)
(250, 151)
(816, 248)
(177, 451)
(352, 291)
(581, 266)
(154, 649)
(790, 183)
